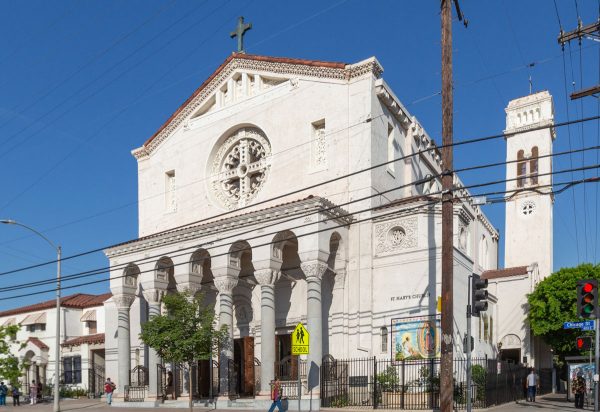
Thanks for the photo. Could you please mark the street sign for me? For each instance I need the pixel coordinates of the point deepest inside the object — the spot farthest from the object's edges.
(584, 325)
(300, 341)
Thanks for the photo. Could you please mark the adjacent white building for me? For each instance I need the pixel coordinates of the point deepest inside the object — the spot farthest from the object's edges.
(81, 336)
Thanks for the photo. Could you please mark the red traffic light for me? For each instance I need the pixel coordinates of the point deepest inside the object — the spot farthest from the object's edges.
(583, 343)
(588, 287)
(579, 343)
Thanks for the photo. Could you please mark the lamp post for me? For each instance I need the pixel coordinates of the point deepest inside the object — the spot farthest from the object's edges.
(57, 343)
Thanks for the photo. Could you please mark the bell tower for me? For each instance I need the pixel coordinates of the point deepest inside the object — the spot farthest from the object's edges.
(529, 199)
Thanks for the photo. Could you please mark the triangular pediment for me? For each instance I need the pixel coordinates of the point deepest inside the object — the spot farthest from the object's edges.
(242, 76)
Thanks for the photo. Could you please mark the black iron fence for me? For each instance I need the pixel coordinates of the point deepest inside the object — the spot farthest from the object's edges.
(96, 378)
(135, 393)
(415, 384)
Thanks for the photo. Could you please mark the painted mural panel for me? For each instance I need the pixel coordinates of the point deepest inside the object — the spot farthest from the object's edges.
(415, 338)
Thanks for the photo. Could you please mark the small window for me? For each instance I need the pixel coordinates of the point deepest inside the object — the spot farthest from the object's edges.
(170, 195)
(92, 327)
(521, 168)
(384, 339)
(72, 370)
(391, 148)
(533, 166)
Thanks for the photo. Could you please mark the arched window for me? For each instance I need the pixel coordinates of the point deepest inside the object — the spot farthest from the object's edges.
(391, 148)
(521, 168)
(486, 328)
(533, 166)
(491, 330)
(483, 252)
(384, 339)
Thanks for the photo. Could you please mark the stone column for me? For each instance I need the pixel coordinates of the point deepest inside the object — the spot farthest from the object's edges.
(225, 285)
(314, 271)
(153, 298)
(266, 278)
(123, 303)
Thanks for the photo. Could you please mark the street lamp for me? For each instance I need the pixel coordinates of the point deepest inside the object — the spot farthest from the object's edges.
(57, 343)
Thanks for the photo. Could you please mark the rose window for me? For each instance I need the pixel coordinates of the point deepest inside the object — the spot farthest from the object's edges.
(528, 208)
(240, 167)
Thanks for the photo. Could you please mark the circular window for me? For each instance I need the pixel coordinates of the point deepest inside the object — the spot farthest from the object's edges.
(239, 167)
(396, 235)
(528, 208)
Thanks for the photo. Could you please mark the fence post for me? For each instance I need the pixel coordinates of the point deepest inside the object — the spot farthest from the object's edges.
(403, 383)
(375, 389)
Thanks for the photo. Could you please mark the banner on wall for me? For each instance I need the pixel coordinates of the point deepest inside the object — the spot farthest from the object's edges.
(416, 338)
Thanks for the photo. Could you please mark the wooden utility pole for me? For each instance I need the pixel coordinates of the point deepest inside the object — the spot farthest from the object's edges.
(447, 338)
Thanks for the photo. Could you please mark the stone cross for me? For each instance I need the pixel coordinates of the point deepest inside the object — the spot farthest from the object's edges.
(239, 33)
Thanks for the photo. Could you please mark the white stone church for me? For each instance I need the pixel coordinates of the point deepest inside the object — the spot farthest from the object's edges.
(262, 192)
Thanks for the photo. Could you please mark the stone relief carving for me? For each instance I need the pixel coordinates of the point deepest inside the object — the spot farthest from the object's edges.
(123, 301)
(511, 341)
(314, 269)
(320, 147)
(395, 235)
(240, 167)
(266, 276)
(225, 284)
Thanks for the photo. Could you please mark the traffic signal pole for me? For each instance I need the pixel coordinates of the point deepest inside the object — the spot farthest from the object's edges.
(596, 361)
(469, 348)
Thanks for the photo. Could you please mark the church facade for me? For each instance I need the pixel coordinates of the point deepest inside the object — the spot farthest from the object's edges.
(294, 191)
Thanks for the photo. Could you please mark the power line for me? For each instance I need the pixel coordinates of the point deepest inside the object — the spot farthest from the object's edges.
(332, 180)
(241, 250)
(276, 221)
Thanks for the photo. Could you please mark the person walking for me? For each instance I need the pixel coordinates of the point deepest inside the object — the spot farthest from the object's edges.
(578, 389)
(109, 388)
(15, 395)
(170, 387)
(532, 384)
(3, 393)
(276, 396)
(33, 392)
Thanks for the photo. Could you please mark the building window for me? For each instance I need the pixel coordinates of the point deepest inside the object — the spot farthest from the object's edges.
(36, 327)
(391, 148)
(533, 166)
(486, 328)
(72, 370)
(384, 339)
(491, 340)
(170, 195)
(92, 327)
(521, 168)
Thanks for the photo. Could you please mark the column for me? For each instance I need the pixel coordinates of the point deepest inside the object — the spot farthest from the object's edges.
(153, 297)
(266, 278)
(314, 271)
(123, 303)
(225, 285)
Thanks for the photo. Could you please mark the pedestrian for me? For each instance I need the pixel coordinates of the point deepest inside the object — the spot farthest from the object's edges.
(3, 393)
(40, 391)
(109, 388)
(33, 392)
(276, 396)
(15, 395)
(170, 387)
(532, 384)
(578, 389)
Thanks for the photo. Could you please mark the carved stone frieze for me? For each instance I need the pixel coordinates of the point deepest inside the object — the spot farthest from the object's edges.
(225, 284)
(314, 269)
(395, 235)
(192, 288)
(123, 301)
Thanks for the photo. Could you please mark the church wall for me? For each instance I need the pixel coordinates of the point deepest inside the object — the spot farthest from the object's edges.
(289, 131)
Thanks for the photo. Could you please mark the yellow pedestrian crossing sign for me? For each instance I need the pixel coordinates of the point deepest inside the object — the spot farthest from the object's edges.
(300, 340)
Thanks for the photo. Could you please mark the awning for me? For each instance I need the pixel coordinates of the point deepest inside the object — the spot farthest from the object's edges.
(89, 316)
(34, 319)
(10, 322)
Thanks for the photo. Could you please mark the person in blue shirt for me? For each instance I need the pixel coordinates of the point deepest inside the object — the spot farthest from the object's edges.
(3, 393)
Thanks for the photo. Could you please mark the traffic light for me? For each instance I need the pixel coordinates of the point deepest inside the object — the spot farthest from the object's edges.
(479, 295)
(587, 298)
(583, 343)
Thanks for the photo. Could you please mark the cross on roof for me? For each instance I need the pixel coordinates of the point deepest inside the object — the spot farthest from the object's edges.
(239, 33)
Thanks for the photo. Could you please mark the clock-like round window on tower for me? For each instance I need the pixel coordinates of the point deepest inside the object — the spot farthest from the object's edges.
(528, 208)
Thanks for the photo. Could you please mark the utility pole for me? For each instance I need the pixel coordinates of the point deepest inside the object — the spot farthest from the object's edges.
(447, 338)
(590, 31)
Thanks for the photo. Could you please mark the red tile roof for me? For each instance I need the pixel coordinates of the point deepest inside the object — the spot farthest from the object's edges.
(504, 273)
(38, 343)
(97, 338)
(78, 301)
(316, 63)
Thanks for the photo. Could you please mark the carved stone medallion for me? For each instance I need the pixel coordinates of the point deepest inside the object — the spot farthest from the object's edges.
(395, 235)
(240, 167)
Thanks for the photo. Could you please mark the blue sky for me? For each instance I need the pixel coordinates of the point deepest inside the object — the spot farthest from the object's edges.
(83, 83)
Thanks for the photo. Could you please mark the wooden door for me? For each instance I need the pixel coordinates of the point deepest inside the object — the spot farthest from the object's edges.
(248, 361)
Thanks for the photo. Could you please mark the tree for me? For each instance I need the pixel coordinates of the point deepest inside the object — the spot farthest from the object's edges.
(186, 333)
(553, 302)
(10, 369)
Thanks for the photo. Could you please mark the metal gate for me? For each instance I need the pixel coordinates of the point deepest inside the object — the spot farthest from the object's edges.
(96, 377)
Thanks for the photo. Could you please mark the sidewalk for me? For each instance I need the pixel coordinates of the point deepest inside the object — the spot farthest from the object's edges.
(550, 402)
